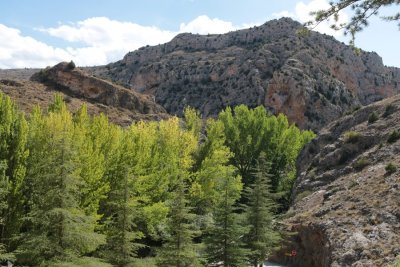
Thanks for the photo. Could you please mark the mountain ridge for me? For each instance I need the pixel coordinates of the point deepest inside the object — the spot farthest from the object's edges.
(312, 78)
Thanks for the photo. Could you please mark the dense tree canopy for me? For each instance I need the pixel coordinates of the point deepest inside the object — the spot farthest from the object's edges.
(250, 132)
(76, 190)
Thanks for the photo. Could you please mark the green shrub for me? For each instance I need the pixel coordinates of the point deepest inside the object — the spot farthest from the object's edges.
(351, 137)
(361, 164)
(373, 117)
(352, 184)
(396, 263)
(71, 65)
(302, 195)
(390, 168)
(393, 137)
(389, 110)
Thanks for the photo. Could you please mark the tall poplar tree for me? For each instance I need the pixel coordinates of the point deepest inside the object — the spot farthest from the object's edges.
(13, 155)
(121, 205)
(249, 132)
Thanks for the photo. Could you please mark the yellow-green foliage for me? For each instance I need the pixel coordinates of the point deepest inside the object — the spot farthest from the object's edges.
(351, 137)
(248, 132)
(74, 185)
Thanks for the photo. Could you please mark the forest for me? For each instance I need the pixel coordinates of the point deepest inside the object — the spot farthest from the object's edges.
(77, 190)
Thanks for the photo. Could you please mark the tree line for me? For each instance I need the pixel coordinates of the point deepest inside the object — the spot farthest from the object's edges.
(77, 190)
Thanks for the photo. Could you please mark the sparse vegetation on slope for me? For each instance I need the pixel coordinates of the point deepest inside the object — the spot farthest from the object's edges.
(351, 209)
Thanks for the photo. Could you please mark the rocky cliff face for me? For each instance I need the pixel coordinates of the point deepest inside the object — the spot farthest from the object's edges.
(75, 82)
(346, 201)
(312, 78)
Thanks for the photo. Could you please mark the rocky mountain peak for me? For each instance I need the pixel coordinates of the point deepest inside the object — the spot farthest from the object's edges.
(312, 78)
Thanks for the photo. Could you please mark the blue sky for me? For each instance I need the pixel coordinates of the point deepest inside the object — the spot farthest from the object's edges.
(95, 32)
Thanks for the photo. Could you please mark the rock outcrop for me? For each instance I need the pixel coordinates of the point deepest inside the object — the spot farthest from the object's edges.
(346, 201)
(121, 105)
(312, 78)
(70, 80)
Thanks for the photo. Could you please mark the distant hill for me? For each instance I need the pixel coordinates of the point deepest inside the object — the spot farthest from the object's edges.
(123, 106)
(312, 78)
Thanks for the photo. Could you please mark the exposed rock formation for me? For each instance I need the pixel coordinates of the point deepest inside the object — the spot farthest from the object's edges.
(346, 206)
(312, 78)
(75, 82)
(121, 105)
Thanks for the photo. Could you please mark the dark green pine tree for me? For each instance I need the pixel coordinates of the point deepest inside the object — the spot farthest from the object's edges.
(179, 250)
(261, 238)
(224, 240)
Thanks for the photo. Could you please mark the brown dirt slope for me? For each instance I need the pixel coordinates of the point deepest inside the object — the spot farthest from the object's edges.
(346, 201)
(121, 105)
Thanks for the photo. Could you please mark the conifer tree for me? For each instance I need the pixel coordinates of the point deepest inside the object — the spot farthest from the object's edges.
(261, 238)
(179, 249)
(224, 241)
(57, 228)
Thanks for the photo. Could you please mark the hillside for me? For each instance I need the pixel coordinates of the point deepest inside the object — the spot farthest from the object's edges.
(346, 199)
(312, 78)
(120, 104)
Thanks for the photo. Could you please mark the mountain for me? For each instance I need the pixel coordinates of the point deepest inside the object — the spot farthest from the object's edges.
(312, 78)
(123, 106)
(346, 201)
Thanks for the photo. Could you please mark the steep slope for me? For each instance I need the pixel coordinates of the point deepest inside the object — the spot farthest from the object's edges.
(123, 106)
(312, 78)
(347, 199)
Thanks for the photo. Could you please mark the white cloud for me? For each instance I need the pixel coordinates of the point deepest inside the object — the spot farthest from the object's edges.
(284, 13)
(17, 51)
(97, 41)
(107, 40)
(100, 40)
(302, 14)
(205, 25)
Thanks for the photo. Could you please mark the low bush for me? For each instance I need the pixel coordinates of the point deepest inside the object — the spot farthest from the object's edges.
(373, 117)
(389, 110)
(390, 168)
(361, 164)
(302, 195)
(71, 65)
(393, 137)
(351, 137)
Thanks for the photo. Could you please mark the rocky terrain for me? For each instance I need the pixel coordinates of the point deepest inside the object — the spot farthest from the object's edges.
(312, 78)
(122, 106)
(346, 201)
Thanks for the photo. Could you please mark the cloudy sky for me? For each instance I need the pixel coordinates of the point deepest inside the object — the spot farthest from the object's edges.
(96, 32)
